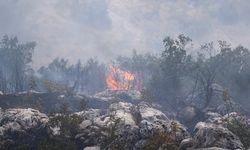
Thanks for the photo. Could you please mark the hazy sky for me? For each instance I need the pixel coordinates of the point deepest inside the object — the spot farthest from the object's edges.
(79, 29)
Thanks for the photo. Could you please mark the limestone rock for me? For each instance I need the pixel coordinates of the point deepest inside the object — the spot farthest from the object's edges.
(210, 135)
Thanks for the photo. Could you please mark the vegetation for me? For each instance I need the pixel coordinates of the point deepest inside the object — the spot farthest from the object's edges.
(52, 144)
(89, 78)
(83, 104)
(69, 124)
(111, 133)
(176, 76)
(199, 78)
(64, 107)
(182, 74)
(15, 59)
(163, 139)
(136, 115)
(227, 102)
(242, 129)
(16, 73)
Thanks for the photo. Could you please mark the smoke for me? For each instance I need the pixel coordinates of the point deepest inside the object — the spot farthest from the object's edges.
(79, 29)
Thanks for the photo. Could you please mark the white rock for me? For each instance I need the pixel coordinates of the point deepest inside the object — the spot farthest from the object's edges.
(111, 94)
(122, 110)
(85, 124)
(92, 148)
(186, 143)
(61, 96)
(209, 135)
(151, 114)
(55, 130)
(27, 118)
(90, 113)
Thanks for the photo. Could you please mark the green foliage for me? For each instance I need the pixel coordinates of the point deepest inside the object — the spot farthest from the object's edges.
(227, 101)
(114, 122)
(137, 117)
(64, 107)
(52, 87)
(83, 105)
(15, 59)
(167, 82)
(52, 144)
(240, 128)
(163, 139)
(32, 84)
(89, 77)
(69, 124)
(143, 65)
(111, 136)
(175, 52)
(181, 76)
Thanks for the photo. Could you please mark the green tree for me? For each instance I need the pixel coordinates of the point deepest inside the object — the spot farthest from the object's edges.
(15, 64)
(167, 82)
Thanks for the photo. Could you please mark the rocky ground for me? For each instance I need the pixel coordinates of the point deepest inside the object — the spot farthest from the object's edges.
(119, 120)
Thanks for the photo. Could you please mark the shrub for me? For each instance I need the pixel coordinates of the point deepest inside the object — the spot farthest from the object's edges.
(163, 139)
(53, 144)
(69, 124)
(83, 105)
(111, 137)
(136, 115)
(240, 128)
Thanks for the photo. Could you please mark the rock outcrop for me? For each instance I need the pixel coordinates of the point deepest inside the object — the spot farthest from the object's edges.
(122, 124)
(126, 122)
(21, 128)
(210, 135)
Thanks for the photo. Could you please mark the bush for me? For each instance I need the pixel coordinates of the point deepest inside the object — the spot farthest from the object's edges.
(53, 144)
(69, 124)
(64, 107)
(242, 129)
(161, 139)
(136, 115)
(83, 104)
(111, 136)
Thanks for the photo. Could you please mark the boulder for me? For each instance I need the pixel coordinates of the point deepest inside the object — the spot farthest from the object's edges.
(151, 114)
(186, 143)
(21, 128)
(85, 124)
(212, 135)
(92, 148)
(23, 119)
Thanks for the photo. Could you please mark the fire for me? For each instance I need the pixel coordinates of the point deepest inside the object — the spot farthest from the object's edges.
(118, 79)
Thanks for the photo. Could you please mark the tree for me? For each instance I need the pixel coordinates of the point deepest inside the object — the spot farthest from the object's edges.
(89, 78)
(56, 71)
(15, 64)
(205, 73)
(166, 84)
(143, 65)
(83, 104)
(95, 76)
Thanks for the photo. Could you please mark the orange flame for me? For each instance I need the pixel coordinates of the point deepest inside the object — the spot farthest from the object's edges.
(118, 79)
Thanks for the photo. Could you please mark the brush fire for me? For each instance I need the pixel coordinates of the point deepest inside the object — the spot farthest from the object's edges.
(118, 79)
